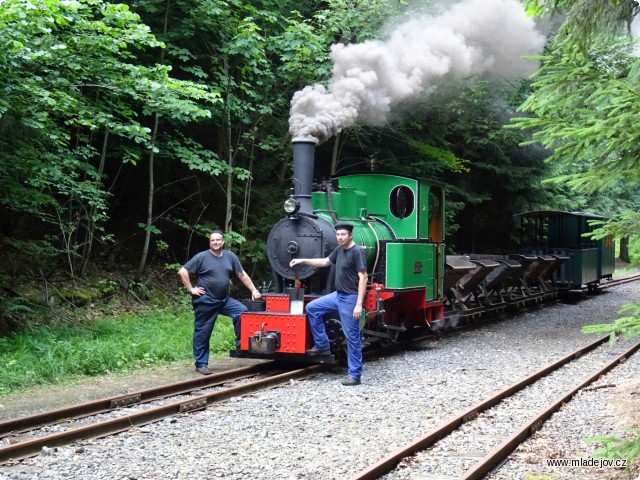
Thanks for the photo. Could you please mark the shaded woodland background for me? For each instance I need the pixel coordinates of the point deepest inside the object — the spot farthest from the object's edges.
(128, 131)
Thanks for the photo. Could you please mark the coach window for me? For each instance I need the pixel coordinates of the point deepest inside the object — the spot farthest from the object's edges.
(401, 201)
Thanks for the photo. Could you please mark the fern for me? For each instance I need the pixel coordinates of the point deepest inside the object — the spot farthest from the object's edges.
(629, 326)
(11, 305)
(615, 447)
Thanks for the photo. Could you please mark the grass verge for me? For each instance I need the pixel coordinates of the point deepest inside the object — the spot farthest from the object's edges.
(53, 356)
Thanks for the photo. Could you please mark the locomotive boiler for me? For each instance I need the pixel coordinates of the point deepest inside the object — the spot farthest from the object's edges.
(399, 222)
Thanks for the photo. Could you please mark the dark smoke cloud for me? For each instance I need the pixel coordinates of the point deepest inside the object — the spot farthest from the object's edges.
(470, 38)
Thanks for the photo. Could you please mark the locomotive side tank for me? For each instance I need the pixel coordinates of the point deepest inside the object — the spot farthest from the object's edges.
(399, 223)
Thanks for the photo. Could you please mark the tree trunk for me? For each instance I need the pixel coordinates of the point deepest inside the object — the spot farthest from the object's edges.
(149, 220)
(228, 218)
(91, 227)
(624, 249)
(334, 154)
(150, 195)
(247, 193)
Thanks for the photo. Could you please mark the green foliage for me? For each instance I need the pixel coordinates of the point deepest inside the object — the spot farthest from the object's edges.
(15, 312)
(584, 107)
(233, 239)
(107, 287)
(161, 245)
(353, 21)
(138, 289)
(254, 55)
(13, 305)
(586, 20)
(584, 110)
(620, 226)
(444, 157)
(628, 325)
(634, 251)
(12, 312)
(302, 52)
(111, 345)
(615, 447)
(82, 70)
(149, 228)
(72, 79)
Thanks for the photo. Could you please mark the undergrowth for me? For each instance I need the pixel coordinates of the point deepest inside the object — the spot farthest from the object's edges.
(112, 344)
(58, 330)
(619, 448)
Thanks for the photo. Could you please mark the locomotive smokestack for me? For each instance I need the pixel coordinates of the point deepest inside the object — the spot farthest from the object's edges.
(303, 157)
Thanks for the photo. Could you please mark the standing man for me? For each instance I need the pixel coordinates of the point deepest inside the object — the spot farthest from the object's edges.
(351, 284)
(212, 270)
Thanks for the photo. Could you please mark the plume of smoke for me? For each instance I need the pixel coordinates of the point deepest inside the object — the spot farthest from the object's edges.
(470, 38)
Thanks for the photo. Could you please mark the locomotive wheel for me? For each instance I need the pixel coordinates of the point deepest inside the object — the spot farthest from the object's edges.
(335, 334)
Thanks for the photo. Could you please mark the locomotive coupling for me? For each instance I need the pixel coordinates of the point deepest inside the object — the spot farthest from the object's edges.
(264, 341)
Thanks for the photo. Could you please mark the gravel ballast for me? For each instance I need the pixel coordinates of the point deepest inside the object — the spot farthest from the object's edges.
(320, 429)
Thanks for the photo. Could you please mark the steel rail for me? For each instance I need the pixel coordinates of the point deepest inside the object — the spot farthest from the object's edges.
(32, 447)
(141, 396)
(388, 463)
(502, 451)
(615, 282)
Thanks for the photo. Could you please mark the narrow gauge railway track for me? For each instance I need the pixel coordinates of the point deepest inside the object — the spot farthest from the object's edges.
(16, 433)
(17, 450)
(34, 445)
(615, 282)
(471, 420)
(18, 425)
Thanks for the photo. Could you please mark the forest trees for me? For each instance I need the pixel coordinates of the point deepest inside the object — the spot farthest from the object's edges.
(253, 55)
(585, 106)
(72, 83)
(130, 121)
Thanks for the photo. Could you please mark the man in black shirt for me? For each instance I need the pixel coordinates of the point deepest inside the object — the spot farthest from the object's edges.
(212, 270)
(351, 284)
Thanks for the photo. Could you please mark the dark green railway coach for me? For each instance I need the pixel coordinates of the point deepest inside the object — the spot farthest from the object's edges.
(562, 234)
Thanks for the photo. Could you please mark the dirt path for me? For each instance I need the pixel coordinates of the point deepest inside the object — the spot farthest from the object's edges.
(50, 398)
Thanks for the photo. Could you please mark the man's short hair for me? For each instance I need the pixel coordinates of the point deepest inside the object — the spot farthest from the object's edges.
(217, 231)
(344, 226)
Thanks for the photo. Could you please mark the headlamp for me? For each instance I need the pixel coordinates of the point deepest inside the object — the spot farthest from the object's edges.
(291, 206)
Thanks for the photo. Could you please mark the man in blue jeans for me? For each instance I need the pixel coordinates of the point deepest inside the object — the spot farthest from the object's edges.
(212, 270)
(351, 284)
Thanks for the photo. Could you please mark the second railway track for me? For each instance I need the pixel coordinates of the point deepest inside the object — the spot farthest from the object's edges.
(462, 444)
